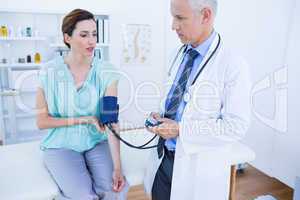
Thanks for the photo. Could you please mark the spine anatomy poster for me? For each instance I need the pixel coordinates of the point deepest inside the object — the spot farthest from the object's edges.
(136, 44)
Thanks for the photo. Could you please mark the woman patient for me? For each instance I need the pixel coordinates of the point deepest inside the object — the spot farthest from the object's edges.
(81, 156)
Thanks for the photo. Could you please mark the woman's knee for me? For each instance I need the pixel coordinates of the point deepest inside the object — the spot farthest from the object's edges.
(102, 187)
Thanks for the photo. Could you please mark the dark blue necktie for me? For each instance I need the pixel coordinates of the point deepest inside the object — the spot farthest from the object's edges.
(177, 95)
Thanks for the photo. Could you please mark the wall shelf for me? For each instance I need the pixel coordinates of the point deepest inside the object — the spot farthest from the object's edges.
(10, 92)
(22, 66)
(23, 38)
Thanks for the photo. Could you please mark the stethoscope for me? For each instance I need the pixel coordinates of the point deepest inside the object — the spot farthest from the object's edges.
(182, 50)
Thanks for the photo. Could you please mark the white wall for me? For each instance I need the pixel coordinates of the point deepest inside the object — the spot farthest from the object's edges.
(260, 31)
(286, 163)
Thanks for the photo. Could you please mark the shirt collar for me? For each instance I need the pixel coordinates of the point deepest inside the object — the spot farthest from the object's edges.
(204, 46)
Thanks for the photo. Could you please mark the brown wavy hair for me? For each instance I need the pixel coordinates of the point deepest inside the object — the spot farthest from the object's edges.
(72, 18)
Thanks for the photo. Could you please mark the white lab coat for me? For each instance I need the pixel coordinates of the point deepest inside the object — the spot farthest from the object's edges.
(217, 114)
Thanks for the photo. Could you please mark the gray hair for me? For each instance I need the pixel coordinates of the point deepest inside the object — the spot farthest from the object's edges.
(197, 5)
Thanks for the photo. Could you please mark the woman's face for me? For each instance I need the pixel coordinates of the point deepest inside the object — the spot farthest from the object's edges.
(84, 38)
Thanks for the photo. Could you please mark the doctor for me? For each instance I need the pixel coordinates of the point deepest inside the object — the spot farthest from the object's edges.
(206, 110)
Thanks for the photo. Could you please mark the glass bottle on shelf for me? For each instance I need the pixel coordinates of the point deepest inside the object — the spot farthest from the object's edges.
(28, 59)
(37, 58)
(4, 31)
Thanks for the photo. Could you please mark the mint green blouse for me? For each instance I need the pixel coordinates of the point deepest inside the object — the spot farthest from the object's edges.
(65, 101)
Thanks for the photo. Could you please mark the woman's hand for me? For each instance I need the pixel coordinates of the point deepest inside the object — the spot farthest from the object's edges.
(92, 120)
(118, 181)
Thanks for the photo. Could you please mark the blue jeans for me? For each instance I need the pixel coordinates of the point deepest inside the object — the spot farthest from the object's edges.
(86, 175)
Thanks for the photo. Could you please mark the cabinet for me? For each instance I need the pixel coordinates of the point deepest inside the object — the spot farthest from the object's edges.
(18, 78)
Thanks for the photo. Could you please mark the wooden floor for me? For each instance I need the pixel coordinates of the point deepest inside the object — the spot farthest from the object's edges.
(250, 184)
(253, 183)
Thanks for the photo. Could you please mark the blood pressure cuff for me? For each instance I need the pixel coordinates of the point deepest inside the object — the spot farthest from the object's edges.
(109, 110)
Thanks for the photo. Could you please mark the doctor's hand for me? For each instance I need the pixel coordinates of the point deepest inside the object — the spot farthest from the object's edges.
(155, 115)
(168, 129)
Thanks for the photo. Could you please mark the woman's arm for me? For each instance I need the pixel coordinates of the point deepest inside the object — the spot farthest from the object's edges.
(45, 121)
(114, 145)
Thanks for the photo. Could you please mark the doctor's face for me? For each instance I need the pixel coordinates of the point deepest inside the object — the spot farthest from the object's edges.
(186, 22)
